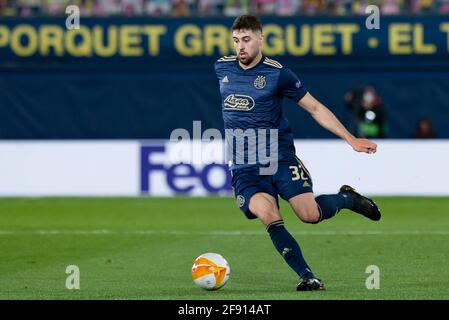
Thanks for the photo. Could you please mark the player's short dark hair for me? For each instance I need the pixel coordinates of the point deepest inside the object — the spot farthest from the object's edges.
(247, 22)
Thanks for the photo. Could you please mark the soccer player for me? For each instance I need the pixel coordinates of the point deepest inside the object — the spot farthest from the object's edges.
(252, 87)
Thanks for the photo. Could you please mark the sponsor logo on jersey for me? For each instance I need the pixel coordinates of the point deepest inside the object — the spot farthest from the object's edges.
(238, 102)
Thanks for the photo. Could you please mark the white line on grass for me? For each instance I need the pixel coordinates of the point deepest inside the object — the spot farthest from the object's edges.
(223, 232)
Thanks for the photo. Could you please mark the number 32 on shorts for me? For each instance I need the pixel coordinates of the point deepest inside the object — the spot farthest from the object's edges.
(298, 173)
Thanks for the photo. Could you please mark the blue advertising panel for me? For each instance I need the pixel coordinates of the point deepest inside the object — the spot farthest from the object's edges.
(146, 42)
(141, 78)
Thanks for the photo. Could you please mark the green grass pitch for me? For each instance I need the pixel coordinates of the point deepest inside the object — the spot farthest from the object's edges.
(143, 248)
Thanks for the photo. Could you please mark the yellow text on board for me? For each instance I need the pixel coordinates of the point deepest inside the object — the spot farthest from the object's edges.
(191, 40)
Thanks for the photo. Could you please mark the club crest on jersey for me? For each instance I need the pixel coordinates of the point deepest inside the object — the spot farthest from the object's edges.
(238, 102)
(260, 82)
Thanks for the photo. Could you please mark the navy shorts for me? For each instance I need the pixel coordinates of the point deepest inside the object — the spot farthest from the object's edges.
(291, 179)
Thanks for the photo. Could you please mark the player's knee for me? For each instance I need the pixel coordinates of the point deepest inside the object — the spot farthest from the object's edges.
(310, 216)
(268, 214)
(265, 211)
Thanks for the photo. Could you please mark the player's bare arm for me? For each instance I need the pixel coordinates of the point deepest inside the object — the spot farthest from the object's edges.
(329, 121)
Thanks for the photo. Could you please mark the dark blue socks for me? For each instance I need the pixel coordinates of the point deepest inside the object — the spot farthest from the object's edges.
(330, 204)
(287, 246)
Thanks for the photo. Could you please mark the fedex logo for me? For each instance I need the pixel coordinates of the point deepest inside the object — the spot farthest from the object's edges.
(158, 176)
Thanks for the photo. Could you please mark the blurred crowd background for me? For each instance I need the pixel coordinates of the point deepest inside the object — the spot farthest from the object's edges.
(229, 8)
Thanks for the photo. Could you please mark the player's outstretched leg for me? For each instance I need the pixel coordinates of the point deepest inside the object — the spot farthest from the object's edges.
(314, 210)
(360, 204)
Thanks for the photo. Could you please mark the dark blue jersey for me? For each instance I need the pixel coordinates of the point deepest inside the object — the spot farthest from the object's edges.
(252, 102)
